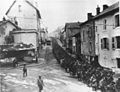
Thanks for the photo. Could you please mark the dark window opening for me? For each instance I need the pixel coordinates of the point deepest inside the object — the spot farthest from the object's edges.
(116, 20)
(90, 49)
(118, 41)
(90, 32)
(83, 35)
(104, 43)
(113, 43)
(104, 24)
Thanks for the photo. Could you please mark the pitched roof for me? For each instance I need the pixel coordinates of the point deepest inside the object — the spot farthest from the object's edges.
(72, 25)
(10, 7)
(108, 10)
(39, 16)
(104, 12)
(38, 13)
(6, 21)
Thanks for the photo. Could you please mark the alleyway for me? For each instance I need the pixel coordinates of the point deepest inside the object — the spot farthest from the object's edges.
(55, 79)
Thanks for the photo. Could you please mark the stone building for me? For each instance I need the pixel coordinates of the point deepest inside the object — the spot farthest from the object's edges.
(24, 14)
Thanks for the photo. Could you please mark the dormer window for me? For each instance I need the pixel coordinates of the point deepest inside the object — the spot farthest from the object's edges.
(117, 20)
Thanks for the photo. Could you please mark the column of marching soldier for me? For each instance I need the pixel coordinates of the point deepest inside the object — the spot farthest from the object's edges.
(95, 76)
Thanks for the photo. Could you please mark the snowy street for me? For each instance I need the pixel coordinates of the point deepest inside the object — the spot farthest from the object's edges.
(54, 77)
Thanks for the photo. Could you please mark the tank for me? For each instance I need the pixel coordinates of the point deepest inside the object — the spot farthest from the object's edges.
(28, 44)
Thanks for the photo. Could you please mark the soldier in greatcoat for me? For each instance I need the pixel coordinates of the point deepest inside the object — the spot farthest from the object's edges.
(40, 84)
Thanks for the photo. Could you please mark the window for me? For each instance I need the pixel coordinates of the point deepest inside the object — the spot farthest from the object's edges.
(113, 43)
(90, 32)
(118, 41)
(104, 43)
(90, 49)
(116, 20)
(83, 35)
(19, 8)
(104, 24)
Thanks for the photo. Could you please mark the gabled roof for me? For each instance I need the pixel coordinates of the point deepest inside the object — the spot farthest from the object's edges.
(38, 13)
(104, 12)
(108, 10)
(39, 16)
(7, 21)
(72, 25)
(10, 7)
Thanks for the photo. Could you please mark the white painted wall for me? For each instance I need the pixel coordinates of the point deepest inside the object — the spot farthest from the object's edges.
(25, 15)
(105, 56)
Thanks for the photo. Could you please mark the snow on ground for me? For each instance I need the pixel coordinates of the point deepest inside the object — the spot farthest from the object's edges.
(76, 87)
(53, 83)
(55, 79)
(19, 82)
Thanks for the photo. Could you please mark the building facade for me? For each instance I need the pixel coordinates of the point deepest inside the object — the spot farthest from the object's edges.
(5, 29)
(88, 38)
(24, 14)
(107, 36)
(71, 29)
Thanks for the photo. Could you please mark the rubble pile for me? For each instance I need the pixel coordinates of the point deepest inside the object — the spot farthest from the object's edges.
(90, 73)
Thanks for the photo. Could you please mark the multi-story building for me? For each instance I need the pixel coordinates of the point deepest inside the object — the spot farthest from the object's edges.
(87, 30)
(108, 35)
(71, 31)
(24, 14)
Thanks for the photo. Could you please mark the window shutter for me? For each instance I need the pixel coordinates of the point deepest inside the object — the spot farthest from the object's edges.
(113, 43)
(101, 43)
(107, 43)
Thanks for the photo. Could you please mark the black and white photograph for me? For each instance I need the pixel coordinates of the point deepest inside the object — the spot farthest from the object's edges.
(59, 45)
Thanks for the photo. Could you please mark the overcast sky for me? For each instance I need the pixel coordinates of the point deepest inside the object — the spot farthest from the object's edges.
(57, 12)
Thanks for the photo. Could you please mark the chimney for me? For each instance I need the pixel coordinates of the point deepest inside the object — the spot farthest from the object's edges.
(105, 6)
(97, 10)
(89, 15)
